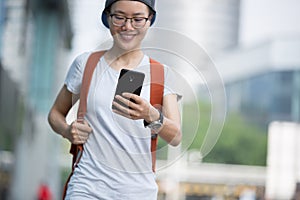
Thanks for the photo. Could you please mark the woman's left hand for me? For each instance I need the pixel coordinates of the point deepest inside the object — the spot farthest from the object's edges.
(135, 107)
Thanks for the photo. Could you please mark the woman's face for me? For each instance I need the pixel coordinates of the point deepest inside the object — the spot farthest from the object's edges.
(127, 37)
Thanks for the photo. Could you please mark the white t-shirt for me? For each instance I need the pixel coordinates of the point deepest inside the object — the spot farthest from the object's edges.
(116, 162)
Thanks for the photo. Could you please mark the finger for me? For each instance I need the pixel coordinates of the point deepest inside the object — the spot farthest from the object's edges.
(120, 104)
(125, 112)
(83, 126)
(82, 137)
(122, 99)
(137, 99)
(87, 127)
(80, 120)
(120, 108)
(127, 102)
(121, 113)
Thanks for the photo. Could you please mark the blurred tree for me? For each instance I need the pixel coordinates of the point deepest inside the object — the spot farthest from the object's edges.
(239, 143)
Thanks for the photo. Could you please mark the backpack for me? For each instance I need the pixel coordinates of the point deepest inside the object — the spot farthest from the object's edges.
(156, 100)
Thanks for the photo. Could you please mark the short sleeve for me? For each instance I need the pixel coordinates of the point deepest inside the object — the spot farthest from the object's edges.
(171, 86)
(75, 73)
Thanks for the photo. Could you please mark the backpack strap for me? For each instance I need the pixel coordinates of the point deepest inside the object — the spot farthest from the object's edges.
(76, 150)
(90, 66)
(86, 82)
(156, 99)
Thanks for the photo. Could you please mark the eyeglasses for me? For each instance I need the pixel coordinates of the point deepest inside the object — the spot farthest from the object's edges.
(136, 22)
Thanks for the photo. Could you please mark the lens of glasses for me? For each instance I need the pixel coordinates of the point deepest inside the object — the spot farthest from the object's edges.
(136, 22)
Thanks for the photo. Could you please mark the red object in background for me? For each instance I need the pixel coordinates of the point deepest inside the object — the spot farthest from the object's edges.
(44, 193)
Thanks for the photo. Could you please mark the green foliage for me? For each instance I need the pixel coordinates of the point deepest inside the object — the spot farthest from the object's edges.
(239, 143)
(196, 117)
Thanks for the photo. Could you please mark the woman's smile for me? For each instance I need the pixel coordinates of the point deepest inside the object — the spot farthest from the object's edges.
(126, 36)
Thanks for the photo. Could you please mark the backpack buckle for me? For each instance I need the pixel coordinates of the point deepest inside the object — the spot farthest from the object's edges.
(154, 136)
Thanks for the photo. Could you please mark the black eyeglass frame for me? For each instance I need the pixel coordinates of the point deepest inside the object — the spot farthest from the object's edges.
(131, 20)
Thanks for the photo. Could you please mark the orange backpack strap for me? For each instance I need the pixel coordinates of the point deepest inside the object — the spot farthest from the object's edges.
(76, 150)
(90, 66)
(86, 81)
(156, 99)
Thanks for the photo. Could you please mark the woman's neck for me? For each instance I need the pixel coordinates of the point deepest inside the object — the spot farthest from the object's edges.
(119, 59)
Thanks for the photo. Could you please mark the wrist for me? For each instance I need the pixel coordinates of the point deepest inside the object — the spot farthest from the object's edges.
(153, 115)
(65, 133)
(156, 124)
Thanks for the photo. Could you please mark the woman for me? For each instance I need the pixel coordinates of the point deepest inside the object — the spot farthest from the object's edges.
(116, 161)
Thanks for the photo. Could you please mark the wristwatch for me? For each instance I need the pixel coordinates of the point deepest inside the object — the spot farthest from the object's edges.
(155, 125)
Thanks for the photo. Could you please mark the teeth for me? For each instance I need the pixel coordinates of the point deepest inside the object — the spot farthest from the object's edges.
(127, 37)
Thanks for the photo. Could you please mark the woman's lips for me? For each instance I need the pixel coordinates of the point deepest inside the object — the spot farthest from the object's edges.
(127, 37)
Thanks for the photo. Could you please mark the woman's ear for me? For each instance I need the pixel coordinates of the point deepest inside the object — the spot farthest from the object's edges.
(150, 17)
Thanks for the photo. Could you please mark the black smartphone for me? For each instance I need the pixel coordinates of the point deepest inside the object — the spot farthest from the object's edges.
(129, 81)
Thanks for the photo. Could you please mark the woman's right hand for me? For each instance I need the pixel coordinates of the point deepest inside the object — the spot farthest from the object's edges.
(78, 132)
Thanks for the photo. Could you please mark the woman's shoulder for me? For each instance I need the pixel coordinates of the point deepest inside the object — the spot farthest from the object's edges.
(82, 57)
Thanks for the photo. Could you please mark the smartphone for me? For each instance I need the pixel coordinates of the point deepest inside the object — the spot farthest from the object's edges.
(129, 81)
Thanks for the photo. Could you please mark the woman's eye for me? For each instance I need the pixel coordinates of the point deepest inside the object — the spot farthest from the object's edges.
(119, 17)
(138, 19)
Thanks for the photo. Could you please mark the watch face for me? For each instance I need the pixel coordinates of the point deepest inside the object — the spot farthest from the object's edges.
(155, 125)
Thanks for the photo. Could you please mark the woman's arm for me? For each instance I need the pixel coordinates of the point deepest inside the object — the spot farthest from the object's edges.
(77, 132)
(171, 129)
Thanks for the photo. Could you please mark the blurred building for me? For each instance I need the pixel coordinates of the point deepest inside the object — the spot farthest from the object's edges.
(36, 37)
(214, 25)
(204, 181)
(263, 82)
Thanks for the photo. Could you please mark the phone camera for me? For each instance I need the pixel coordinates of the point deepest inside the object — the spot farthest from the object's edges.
(131, 78)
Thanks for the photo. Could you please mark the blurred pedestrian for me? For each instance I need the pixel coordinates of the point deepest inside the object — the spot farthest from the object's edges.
(44, 192)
